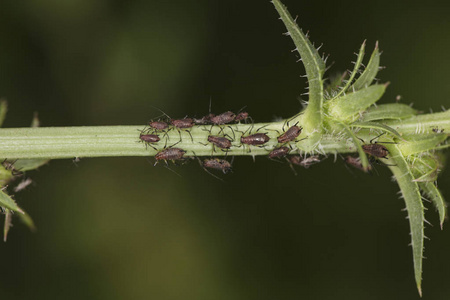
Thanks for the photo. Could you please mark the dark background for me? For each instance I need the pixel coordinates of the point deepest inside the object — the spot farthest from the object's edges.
(119, 228)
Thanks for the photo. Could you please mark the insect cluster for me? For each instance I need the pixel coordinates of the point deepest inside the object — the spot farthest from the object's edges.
(223, 135)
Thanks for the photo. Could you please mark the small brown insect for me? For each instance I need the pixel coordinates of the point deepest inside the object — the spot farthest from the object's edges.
(223, 118)
(376, 150)
(279, 152)
(183, 123)
(170, 154)
(356, 162)
(217, 164)
(289, 135)
(255, 139)
(304, 162)
(158, 125)
(242, 116)
(205, 120)
(220, 142)
(149, 138)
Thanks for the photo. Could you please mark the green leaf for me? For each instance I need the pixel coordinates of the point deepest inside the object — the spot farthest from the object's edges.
(421, 143)
(355, 70)
(314, 64)
(394, 111)
(336, 81)
(3, 111)
(442, 147)
(7, 202)
(29, 164)
(425, 168)
(370, 72)
(416, 124)
(315, 68)
(374, 125)
(414, 206)
(5, 176)
(430, 189)
(348, 107)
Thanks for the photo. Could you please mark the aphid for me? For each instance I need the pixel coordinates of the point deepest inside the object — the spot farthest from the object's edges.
(376, 150)
(148, 139)
(242, 116)
(310, 160)
(155, 126)
(218, 164)
(289, 135)
(223, 118)
(205, 120)
(304, 162)
(255, 139)
(220, 142)
(356, 162)
(183, 123)
(279, 152)
(158, 125)
(170, 154)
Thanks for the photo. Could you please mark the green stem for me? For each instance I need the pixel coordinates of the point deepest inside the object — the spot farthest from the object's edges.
(102, 141)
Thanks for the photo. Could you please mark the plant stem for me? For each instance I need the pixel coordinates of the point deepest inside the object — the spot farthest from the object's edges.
(103, 141)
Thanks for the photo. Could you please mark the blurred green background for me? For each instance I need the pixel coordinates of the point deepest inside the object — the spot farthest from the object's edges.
(119, 228)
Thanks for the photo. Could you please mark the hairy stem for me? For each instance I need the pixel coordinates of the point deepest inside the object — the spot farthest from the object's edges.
(102, 141)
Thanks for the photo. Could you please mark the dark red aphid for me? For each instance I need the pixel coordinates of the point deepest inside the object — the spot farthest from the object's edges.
(289, 135)
(376, 150)
(255, 139)
(170, 154)
(356, 162)
(183, 123)
(158, 125)
(242, 116)
(149, 138)
(205, 120)
(279, 152)
(220, 142)
(223, 118)
(304, 162)
(217, 164)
